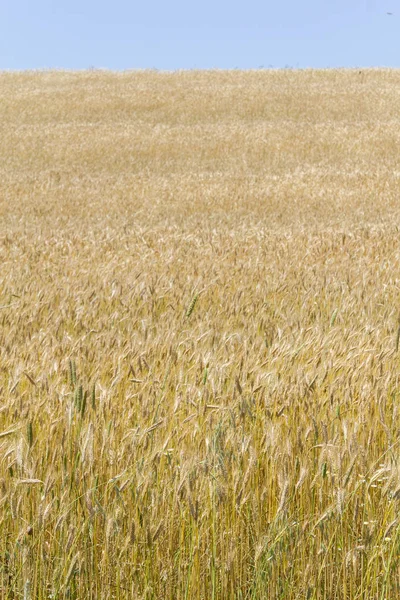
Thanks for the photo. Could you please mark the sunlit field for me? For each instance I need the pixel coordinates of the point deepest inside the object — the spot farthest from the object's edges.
(199, 335)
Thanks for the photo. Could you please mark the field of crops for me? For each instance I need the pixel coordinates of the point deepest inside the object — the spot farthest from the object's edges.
(199, 335)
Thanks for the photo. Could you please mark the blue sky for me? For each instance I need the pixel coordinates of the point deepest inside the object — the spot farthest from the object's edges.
(187, 34)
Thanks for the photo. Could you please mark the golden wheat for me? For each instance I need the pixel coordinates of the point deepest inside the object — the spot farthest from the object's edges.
(199, 365)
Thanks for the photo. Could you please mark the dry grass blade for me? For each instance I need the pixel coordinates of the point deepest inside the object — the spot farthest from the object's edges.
(4, 434)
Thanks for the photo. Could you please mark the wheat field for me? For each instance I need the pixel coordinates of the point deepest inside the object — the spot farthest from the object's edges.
(199, 357)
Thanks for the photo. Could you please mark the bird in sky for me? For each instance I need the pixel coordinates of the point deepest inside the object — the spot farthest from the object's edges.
(390, 14)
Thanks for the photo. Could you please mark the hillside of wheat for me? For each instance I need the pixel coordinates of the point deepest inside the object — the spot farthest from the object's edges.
(199, 342)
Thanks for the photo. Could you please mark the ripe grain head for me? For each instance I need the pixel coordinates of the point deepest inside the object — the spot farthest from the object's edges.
(199, 331)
